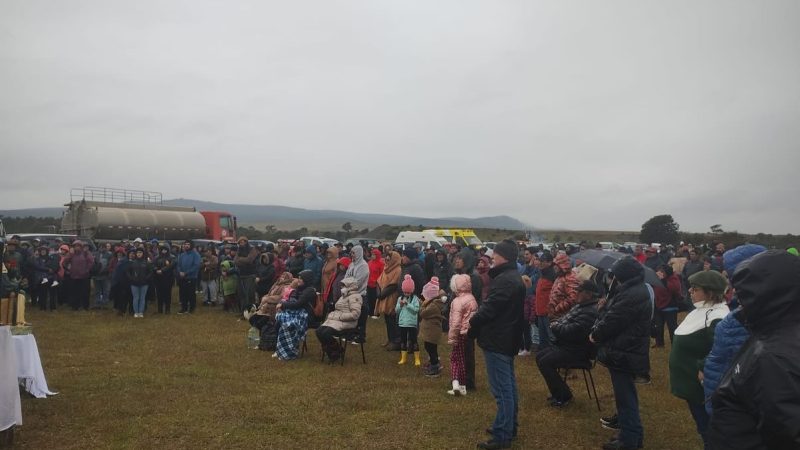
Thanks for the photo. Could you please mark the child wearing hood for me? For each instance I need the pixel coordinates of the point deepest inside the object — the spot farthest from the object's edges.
(430, 326)
(407, 310)
(462, 309)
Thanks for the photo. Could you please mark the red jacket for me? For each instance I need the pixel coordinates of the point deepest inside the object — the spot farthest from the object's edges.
(543, 288)
(376, 265)
(563, 295)
(668, 295)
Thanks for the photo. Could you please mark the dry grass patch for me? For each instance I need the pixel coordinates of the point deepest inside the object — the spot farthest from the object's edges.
(189, 382)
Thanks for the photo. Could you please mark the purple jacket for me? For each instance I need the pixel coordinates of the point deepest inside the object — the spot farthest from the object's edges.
(80, 264)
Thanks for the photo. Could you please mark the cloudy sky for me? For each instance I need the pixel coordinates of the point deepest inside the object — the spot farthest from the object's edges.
(586, 115)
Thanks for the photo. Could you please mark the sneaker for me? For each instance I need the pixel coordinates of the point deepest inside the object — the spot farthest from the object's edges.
(275, 355)
(375, 317)
(642, 379)
(491, 433)
(556, 403)
(610, 423)
(615, 444)
(183, 311)
(524, 353)
(492, 444)
(433, 371)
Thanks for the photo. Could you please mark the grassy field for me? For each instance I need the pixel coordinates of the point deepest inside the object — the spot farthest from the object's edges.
(189, 382)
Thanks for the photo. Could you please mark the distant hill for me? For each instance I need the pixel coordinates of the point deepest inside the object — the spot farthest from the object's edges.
(285, 217)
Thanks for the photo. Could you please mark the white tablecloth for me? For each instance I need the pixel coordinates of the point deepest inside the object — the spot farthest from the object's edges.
(10, 406)
(29, 366)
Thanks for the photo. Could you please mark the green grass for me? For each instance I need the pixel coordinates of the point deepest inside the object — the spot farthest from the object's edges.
(189, 382)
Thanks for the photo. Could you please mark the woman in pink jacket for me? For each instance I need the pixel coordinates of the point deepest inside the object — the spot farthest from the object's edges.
(462, 309)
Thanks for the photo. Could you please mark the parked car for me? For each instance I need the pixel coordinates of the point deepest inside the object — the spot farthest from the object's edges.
(360, 240)
(49, 239)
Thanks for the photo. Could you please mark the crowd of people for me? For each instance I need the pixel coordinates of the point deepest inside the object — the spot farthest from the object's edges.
(733, 357)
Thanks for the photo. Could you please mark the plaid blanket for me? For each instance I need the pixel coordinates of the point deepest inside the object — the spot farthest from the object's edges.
(292, 328)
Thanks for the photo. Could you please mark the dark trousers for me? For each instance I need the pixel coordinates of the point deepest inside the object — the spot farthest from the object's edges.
(247, 291)
(65, 291)
(327, 338)
(631, 433)
(372, 297)
(38, 293)
(665, 317)
(469, 361)
(164, 293)
(187, 294)
(527, 339)
(362, 321)
(392, 329)
(122, 297)
(408, 339)
(80, 293)
(701, 419)
(549, 360)
(49, 298)
(433, 353)
(543, 323)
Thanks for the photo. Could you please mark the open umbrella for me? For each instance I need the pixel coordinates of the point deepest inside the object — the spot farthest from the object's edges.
(603, 259)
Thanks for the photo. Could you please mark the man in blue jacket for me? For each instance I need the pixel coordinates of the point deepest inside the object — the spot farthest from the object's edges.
(186, 271)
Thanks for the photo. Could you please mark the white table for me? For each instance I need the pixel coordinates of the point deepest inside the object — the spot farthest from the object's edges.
(29, 366)
(10, 405)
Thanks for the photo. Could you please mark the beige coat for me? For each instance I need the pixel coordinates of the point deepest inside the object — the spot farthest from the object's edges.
(347, 310)
(387, 282)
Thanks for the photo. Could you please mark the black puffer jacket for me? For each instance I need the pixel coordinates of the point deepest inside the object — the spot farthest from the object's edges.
(139, 272)
(757, 403)
(622, 330)
(572, 330)
(500, 319)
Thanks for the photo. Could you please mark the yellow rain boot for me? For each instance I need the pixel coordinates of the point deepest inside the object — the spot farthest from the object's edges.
(402, 358)
(20, 317)
(4, 313)
(417, 362)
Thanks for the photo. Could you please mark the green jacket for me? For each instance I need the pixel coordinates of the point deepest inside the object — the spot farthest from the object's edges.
(407, 314)
(230, 278)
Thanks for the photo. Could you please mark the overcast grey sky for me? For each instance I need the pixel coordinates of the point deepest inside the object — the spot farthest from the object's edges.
(582, 115)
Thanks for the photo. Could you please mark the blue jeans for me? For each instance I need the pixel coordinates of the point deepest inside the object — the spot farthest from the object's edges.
(701, 419)
(503, 384)
(139, 294)
(631, 433)
(543, 323)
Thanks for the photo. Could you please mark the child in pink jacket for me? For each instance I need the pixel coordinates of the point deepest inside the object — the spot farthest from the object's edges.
(462, 309)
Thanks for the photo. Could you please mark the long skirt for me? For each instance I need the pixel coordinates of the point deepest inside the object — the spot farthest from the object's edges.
(292, 328)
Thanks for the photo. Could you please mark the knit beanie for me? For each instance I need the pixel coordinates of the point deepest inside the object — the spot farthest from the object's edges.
(411, 252)
(430, 290)
(507, 249)
(408, 285)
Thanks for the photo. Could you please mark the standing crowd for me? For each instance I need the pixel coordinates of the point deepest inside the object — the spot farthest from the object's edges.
(733, 357)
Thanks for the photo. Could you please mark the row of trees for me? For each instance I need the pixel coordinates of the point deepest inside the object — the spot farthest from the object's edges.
(665, 230)
(31, 224)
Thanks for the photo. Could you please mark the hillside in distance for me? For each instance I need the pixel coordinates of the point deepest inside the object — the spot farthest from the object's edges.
(285, 217)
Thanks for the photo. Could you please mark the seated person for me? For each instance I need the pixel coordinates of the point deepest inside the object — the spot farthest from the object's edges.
(571, 343)
(343, 317)
(263, 318)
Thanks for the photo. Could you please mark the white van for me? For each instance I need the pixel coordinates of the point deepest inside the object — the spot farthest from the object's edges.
(426, 238)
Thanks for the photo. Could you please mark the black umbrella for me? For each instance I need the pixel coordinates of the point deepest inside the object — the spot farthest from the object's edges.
(602, 259)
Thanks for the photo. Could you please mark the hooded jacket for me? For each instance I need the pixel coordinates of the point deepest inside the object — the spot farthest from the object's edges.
(139, 271)
(375, 268)
(80, 263)
(245, 260)
(499, 321)
(622, 330)
(757, 403)
(462, 309)
(329, 271)
(565, 289)
(314, 264)
(543, 289)
(468, 256)
(347, 310)
(188, 263)
(388, 286)
(358, 269)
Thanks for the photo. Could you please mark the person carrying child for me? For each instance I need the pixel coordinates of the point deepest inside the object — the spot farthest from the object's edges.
(430, 326)
(407, 310)
(462, 309)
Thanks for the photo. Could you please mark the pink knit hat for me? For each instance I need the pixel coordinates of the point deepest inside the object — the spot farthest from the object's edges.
(408, 285)
(431, 290)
